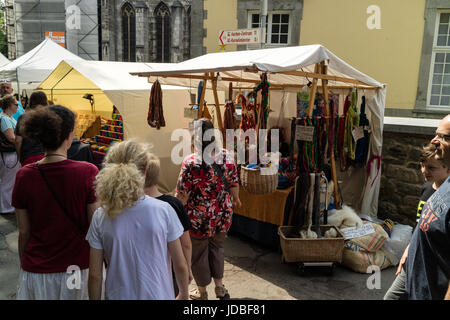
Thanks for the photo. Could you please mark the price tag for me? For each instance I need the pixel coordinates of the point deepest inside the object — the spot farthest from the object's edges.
(354, 232)
(304, 133)
(358, 133)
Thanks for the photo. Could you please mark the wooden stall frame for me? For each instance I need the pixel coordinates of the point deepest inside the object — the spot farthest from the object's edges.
(324, 69)
(320, 73)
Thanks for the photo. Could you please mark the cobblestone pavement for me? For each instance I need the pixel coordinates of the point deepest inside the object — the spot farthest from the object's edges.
(9, 257)
(251, 272)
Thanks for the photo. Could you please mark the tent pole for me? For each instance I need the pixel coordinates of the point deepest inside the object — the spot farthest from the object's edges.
(216, 100)
(202, 96)
(327, 114)
(313, 93)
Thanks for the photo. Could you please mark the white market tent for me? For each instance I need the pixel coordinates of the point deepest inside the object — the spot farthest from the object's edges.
(3, 60)
(289, 69)
(110, 83)
(34, 66)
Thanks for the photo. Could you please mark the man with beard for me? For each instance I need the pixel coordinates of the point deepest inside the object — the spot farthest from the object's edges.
(428, 256)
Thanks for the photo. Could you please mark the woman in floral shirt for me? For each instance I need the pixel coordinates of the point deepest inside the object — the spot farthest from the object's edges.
(209, 206)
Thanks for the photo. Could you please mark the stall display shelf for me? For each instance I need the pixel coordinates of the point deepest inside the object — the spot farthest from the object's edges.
(110, 132)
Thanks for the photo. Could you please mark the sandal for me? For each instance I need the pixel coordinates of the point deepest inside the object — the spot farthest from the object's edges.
(222, 293)
(196, 295)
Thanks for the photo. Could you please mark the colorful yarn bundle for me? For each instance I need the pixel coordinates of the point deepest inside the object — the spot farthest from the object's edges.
(104, 140)
(117, 117)
(388, 226)
(96, 147)
(248, 119)
(110, 134)
(108, 127)
(114, 122)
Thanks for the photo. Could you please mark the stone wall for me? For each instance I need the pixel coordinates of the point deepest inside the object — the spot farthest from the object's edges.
(401, 179)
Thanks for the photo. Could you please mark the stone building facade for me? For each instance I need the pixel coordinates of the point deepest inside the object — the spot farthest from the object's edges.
(75, 22)
(152, 30)
(401, 178)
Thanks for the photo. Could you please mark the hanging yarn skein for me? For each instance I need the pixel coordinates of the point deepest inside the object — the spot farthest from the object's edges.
(155, 116)
(264, 87)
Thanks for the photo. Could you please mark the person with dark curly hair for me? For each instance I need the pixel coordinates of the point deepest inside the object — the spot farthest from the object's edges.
(54, 200)
(29, 150)
(9, 164)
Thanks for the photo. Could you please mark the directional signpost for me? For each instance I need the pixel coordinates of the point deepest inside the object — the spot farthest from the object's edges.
(240, 36)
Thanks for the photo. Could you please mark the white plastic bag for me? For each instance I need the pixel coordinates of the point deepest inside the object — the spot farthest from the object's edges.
(396, 244)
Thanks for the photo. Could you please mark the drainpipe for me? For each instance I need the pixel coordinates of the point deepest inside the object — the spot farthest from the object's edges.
(263, 17)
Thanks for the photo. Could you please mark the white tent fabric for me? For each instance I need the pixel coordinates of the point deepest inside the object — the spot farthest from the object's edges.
(3, 60)
(244, 64)
(35, 65)
(111, 84)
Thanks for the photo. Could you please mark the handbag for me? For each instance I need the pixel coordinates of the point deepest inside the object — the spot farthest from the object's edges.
(5, 145)
(59, 202)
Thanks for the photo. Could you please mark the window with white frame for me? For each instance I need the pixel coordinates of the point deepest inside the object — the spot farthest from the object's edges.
(439, 90)
(277, 26)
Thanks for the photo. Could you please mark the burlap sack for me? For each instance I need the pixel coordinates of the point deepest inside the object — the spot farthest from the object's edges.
(363, 252)
(371, 242)
(360, 260)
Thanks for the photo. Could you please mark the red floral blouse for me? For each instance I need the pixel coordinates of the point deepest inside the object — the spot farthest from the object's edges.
(207, 214)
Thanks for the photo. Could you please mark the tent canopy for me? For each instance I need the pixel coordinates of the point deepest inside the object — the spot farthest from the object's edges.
(110, 83)
(72, 79)
(289, 69)
(35, 65)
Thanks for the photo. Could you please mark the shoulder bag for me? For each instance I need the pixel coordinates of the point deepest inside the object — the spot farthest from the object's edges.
(5, 145)
(59, 202)
(222, 194)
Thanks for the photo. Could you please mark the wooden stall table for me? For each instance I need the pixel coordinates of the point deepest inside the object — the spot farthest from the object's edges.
(260, 215)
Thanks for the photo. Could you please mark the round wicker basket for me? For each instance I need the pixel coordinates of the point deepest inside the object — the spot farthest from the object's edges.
(254, 182)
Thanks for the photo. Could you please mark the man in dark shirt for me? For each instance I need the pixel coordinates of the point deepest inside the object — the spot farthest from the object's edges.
(80, 151)
(428, 256)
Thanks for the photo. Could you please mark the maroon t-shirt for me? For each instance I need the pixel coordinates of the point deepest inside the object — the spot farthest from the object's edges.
(55, 242)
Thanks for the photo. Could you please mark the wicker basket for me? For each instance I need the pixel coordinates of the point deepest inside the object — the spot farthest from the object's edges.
(311, 250)
(254, 182)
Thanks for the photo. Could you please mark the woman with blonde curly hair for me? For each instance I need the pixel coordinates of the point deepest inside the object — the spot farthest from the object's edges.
(136, 234)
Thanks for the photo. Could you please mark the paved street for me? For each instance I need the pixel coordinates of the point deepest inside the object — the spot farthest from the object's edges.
(251, 272)
(9, 257)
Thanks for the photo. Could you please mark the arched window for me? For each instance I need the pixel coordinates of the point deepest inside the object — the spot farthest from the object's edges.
(129, 32)
(162, 14)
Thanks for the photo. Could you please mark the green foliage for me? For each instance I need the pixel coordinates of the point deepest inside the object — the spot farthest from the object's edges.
(3, 37)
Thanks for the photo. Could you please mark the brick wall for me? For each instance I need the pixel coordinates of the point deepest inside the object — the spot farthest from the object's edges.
(401, 179)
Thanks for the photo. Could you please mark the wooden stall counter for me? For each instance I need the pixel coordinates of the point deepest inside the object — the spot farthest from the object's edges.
(268, 208)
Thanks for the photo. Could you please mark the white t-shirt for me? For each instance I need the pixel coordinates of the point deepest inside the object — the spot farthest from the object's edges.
(135, 244)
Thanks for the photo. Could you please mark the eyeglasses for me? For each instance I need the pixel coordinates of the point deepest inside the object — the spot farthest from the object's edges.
(442, 137)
